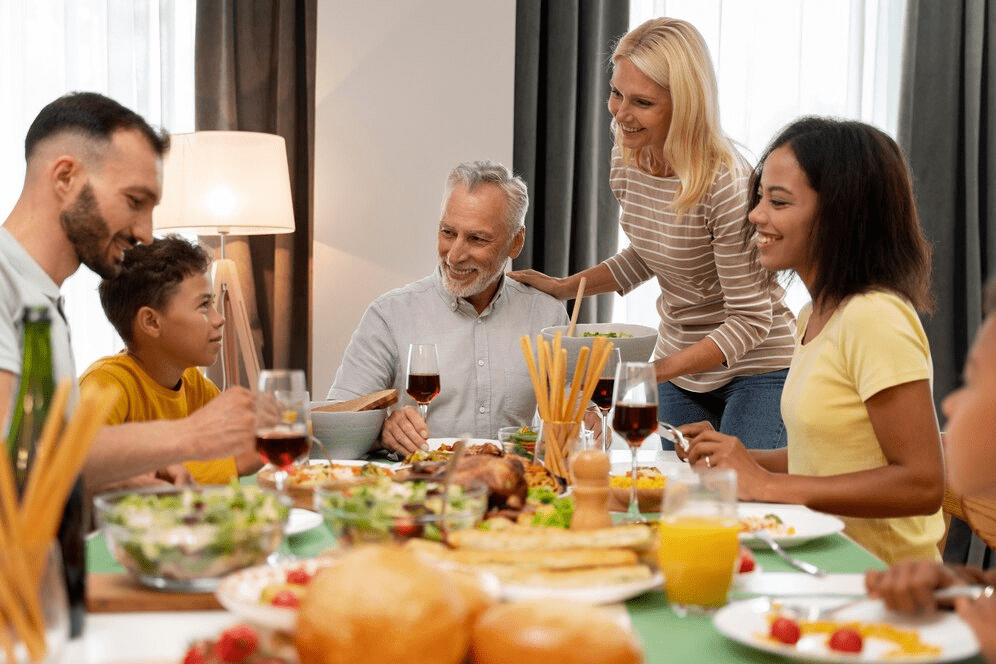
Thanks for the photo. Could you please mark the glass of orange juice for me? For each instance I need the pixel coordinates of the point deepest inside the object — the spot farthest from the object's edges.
(698, 538)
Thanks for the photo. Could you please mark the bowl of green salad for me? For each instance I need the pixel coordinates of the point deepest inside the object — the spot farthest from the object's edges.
(387, 509)
(186, 539)
(635, 342)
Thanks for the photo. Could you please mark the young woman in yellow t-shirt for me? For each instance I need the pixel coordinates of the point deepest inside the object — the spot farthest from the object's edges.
(832, 201)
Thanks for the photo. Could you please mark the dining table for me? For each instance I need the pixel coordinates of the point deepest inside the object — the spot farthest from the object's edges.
(143, 636)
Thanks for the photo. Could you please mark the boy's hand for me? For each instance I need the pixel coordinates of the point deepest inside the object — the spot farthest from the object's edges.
(225, 426)
(404, 431)
(177, 475)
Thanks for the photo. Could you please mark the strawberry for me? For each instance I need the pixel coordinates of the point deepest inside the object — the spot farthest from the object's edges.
(236, 643)
(298, 576)
(845, 639)
(747, 562)
(196, 655)
(785, 630)
(287, 599)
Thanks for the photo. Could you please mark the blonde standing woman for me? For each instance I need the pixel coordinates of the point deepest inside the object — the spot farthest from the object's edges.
(725, 338)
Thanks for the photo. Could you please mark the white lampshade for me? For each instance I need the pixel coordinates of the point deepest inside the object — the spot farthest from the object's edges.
(225, 183)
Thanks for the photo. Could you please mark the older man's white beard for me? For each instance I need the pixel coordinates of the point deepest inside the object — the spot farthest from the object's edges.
(481, 283)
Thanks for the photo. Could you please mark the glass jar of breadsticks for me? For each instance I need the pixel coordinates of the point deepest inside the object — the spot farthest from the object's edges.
(562, 397)
(34, 622)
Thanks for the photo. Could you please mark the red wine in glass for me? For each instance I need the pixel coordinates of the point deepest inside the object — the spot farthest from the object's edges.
(635, 423)
(603, 393)
(281, 448)
(423, 387)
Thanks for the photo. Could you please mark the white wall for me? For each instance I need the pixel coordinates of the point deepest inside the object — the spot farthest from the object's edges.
(405, 90)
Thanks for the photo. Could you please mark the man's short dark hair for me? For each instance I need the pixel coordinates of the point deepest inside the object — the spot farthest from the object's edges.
(150, 276)
(92, 115)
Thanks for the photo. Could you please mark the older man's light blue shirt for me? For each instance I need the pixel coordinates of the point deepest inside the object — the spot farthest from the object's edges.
(485, 383)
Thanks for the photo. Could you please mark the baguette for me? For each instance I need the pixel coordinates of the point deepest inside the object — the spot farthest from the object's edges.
(635, 536)
(572, 578)
(562, 559)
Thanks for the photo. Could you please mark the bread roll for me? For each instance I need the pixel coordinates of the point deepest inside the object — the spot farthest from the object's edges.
(382, 605)
(544, 633)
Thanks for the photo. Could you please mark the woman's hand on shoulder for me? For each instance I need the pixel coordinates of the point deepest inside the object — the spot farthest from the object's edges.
(541, 282)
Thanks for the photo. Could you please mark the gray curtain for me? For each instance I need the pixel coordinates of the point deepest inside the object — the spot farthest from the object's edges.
(946, 127)
(562, 142)
(255, 71)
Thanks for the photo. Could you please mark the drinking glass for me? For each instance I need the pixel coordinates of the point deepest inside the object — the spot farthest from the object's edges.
(283, 428)
(635, 417)
(423, 375)
(699, 539)
(602, 397)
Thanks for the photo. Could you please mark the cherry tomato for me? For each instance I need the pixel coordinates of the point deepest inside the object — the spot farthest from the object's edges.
(298, 576)
(845, 639)
(747, 563)
(404, 528)
(785, 630)
(236, 643)
(287, 599)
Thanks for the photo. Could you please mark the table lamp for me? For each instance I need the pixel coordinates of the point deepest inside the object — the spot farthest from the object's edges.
(227, 183)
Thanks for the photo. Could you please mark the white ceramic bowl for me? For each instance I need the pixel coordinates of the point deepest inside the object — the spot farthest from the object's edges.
(347, 435)
(636, 348)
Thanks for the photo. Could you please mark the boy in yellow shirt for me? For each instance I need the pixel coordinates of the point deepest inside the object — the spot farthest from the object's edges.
(162, 305)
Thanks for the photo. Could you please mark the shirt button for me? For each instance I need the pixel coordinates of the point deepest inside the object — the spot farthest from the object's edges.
(480, 363)
(480, 322)
(482, 409)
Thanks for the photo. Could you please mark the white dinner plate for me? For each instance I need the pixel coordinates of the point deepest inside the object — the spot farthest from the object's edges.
(808, 524)
(602, 594)
(301, 520)
(746, 622)
(239, 592)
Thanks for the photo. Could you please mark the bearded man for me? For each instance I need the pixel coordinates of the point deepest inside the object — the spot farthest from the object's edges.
(93, 176)
(468, 309)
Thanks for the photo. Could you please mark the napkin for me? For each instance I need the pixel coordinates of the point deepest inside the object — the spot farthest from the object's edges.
(797, 584)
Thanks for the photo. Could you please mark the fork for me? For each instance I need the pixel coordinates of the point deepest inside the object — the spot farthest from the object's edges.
(808, 568)
(671, 433)
(812, 613)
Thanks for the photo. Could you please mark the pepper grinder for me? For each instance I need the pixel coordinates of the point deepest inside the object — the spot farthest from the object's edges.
(590, 471)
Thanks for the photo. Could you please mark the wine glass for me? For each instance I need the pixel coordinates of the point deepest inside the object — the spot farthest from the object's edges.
(423, 375)
(635, 415)
(283, 428)
(602, 397)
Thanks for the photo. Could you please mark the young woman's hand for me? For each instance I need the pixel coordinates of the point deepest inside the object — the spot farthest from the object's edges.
(908, 586)
(710, 449)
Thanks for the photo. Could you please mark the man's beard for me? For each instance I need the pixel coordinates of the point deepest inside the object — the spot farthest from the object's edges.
(485, 278)
(88, 233)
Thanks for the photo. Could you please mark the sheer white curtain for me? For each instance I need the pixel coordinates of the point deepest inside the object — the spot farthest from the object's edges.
(779, 59)
(139, 52)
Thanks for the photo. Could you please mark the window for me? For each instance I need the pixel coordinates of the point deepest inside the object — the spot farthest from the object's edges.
(777, 60)
(139, 52)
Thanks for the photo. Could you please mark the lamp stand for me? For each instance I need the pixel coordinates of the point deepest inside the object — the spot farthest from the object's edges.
(237, 333)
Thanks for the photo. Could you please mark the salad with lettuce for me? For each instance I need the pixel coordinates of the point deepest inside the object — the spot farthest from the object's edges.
(174, 536)
(386, 510)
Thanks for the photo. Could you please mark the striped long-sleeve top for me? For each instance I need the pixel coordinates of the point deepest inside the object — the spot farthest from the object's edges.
(709, 286)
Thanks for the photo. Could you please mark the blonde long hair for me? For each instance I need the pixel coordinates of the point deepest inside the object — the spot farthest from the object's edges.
(672, 53)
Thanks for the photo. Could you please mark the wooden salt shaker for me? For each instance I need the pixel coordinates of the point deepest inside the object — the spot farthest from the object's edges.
(590, 471)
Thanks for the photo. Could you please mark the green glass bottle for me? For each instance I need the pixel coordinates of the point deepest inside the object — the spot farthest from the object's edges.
(34, 397)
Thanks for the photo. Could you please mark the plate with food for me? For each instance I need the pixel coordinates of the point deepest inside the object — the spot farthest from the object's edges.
(269, 595)
(598, 566)
(303, 478)
(789, 525)
(441, 449)
(866, 632)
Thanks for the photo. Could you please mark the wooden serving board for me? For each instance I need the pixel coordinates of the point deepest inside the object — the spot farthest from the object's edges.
(117, 592)
(371, 401)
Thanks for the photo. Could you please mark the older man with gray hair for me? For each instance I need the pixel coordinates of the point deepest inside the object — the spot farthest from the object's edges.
(467, 307)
